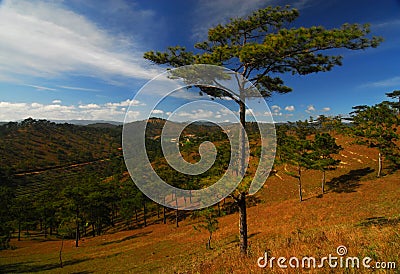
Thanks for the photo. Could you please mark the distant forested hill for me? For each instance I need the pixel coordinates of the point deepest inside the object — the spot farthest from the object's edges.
(39, 144)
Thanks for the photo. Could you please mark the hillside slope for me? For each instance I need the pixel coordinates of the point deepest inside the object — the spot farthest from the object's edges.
(359, 212)
(40, 144)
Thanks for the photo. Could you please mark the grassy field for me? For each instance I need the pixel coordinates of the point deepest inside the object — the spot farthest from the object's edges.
(358, 211)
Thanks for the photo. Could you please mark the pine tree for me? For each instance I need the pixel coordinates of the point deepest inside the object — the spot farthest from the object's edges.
(324, 146)
(377, 126)
(260, 47)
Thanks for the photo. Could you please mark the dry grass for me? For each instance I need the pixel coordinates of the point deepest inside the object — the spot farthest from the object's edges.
(358, 211)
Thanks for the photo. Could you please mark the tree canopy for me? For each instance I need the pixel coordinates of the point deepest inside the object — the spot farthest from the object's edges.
(263, 45)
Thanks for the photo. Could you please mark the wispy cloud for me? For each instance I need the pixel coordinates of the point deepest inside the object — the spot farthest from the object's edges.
(209, 13)
(41, 87)
(46, 39)
(386, 24)
(389, 82)
(78, 88)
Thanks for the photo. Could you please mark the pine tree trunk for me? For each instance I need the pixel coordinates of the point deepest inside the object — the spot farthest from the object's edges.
(60, 253)
(242, 223)
(77, 235)
(77, 231)
(136, 215)
(144, 212)
(379, 165)
(242, 148)
(177, 211)
(165, 215)
(209, 241)
(19, 231)
(300, 192)
(242, 196)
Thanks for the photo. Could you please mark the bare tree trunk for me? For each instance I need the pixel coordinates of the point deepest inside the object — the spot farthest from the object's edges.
(19, 231)
(323, 182)
(93, 230)
(165, 215)
(144, 212)
(77, 229)
(177, 211)
(209, 241)
(136, 215)
(300, 192)
(242, 223)
(379, 164)
(60, 253)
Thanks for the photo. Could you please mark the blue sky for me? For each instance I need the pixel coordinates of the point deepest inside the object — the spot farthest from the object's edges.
(83, 59)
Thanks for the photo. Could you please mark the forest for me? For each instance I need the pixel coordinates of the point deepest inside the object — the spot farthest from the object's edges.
(83, 194)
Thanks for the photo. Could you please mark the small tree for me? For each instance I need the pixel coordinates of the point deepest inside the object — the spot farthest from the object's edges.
(377, 126)
(324, 146)
(260, 47)
(295, 152)
(209, 222)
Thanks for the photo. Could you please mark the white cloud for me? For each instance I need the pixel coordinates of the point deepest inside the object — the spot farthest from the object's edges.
(310, 108)
(276, 111)
(289, 108)
(89, 106)
(275, 108)
(249, 111)
(196, 114)
(326, 109)
(157, 111)
(45, 39)
(126, 103)
(10, 111)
